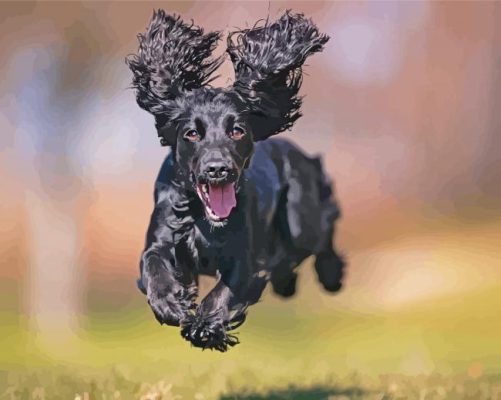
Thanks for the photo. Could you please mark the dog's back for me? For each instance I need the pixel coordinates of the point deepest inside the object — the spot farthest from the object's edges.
(303, 217)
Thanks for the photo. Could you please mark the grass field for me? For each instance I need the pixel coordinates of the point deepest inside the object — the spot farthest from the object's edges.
(116, 386)
(438, 349)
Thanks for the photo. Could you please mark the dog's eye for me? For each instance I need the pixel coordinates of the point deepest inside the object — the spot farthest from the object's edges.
(192, 135)
(237, 133)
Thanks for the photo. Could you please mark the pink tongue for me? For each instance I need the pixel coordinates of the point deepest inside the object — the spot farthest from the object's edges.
(222, 199)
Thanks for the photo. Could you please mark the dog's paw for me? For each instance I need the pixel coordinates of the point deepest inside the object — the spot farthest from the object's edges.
(208, 331)
(329, 267)
(172, 308)
(165, 310)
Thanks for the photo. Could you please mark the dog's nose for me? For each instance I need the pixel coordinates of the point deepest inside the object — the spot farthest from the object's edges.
(217, 170)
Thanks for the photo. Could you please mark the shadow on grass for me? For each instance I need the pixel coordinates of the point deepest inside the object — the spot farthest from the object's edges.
(293, 393)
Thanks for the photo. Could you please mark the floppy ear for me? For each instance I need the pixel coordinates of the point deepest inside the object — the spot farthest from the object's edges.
(267, 62)
(173, 57)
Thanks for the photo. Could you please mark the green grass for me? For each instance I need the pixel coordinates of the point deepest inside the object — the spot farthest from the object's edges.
(59, 384)
(448, 348)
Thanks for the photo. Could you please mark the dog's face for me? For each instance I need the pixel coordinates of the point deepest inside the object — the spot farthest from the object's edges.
(213, 144)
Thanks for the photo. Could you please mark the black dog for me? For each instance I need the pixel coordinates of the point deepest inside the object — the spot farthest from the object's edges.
(228, 203)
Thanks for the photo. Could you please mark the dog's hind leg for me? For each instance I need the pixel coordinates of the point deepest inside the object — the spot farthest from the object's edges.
(311, 214)
(329, 266)
(284, 257)
(283, 277)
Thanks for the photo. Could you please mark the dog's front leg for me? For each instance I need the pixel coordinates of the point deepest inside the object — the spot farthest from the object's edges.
(220, 311)
(167, 270)
(224, 308)
(168, 296)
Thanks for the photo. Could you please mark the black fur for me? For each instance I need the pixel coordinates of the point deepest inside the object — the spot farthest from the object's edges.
(228, 204)
(268, 74)
(173, 57)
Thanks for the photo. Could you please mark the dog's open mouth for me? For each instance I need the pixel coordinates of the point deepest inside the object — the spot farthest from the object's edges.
(218, 200)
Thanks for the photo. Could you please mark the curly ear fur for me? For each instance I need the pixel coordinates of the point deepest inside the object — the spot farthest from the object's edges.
(173, 57)
(267, 62)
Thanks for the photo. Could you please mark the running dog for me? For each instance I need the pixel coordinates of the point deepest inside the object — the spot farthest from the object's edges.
(229, 201)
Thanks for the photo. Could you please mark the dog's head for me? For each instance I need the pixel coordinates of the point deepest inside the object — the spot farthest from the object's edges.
(212, 130)
(212, 142)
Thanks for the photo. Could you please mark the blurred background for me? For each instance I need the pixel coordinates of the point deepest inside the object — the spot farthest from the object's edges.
(403, 105)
